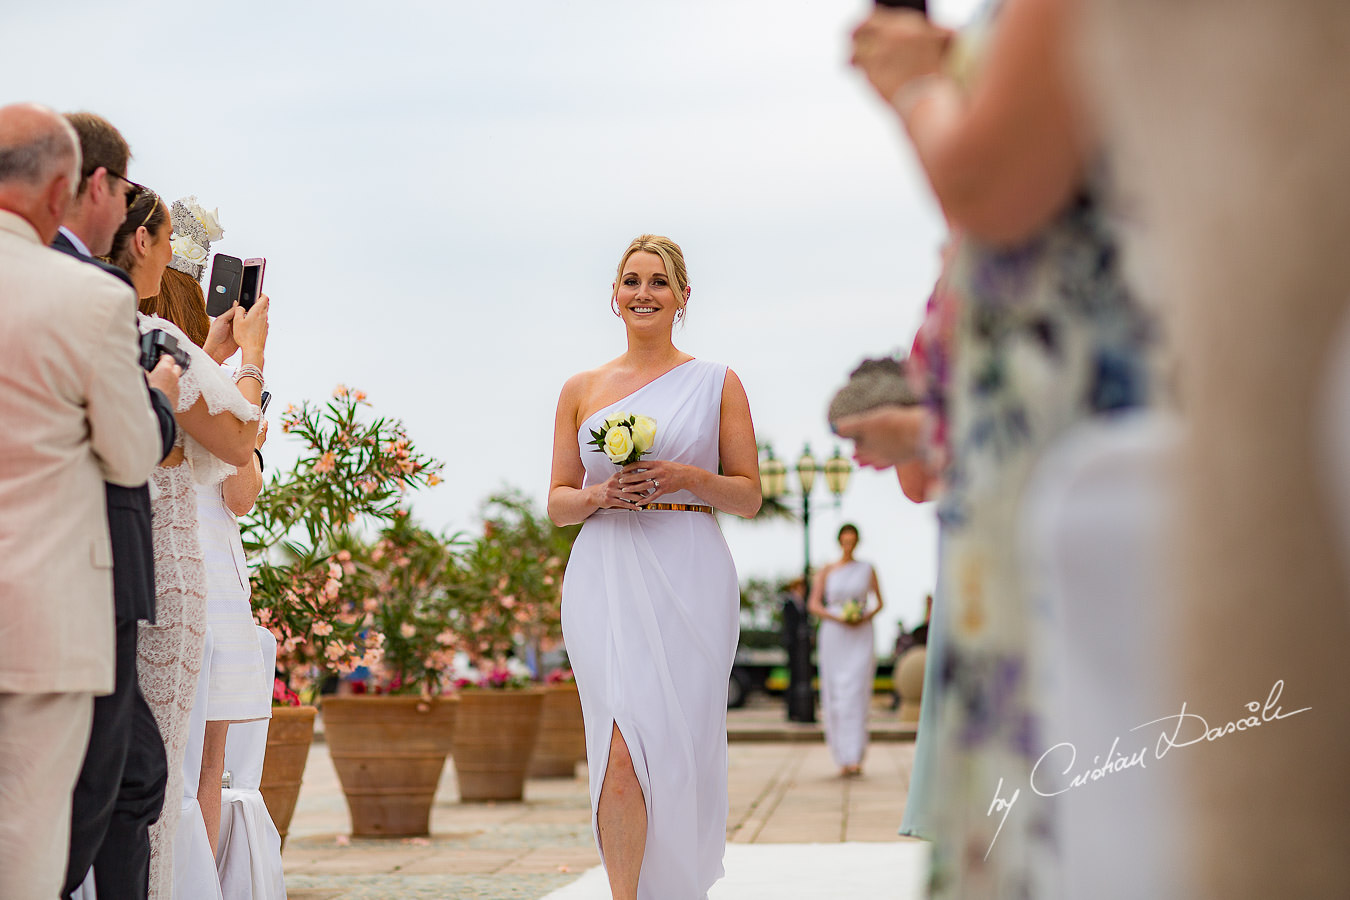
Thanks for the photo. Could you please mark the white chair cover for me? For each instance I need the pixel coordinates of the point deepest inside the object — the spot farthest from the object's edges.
(194, 870)
(1097, 516)
(248, 854)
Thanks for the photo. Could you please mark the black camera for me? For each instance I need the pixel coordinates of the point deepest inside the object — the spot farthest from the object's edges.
(155, 344)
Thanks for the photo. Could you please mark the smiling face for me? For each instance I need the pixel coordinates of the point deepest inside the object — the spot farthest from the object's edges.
(644, 293)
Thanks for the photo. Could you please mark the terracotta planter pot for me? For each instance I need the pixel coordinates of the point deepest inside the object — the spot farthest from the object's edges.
(494, 740)
(289, 735)
(389, 753)
(562, 735)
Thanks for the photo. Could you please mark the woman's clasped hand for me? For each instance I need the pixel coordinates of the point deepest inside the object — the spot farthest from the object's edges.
(638, 484)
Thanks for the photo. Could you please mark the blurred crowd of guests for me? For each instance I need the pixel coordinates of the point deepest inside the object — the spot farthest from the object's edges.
(1135, 369)
(122, 468)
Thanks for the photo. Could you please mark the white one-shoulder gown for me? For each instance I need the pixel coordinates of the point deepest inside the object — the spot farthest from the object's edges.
(650, 615)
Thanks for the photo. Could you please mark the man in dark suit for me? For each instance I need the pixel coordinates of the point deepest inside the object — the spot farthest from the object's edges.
(797, 633)
(120, 791)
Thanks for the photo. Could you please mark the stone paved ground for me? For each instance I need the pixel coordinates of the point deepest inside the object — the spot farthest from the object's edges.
(780, 792)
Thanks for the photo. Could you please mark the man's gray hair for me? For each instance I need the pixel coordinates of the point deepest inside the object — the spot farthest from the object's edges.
(35, 160)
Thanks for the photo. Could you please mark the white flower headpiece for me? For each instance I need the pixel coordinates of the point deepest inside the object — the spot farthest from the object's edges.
(194, 228)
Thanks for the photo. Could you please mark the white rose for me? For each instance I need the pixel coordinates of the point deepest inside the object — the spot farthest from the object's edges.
(615, 418)
(186, 248)
(644, 433)
(618, 444)
(210, 220)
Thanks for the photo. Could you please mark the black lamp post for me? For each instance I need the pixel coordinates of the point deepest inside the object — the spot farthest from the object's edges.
(801, 698)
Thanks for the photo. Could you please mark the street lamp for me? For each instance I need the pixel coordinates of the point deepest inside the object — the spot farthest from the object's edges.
(801, 699)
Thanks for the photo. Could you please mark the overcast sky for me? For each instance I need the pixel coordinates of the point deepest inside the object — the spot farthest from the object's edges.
(442, 191)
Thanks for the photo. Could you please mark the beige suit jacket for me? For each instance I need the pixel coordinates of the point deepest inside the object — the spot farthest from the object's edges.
(74, 412)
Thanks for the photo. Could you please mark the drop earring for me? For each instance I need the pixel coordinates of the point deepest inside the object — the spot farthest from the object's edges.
(614, 305)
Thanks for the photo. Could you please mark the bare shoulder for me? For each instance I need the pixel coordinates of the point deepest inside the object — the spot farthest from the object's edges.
(733, 392)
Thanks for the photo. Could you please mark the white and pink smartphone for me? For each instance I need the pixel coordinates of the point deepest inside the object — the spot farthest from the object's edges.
(251, 281)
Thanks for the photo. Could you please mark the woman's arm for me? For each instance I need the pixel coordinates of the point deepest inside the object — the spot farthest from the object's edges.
(568, 502)
(816, 604)
(241, 489)
(222, 434)
(876, 589)
(1004, 161)
(915, 480)
(736, 490)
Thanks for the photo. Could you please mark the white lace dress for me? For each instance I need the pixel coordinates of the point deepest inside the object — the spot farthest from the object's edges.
(169, 652)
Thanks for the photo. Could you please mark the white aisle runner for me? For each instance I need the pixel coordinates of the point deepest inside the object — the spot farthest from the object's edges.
(800, 872)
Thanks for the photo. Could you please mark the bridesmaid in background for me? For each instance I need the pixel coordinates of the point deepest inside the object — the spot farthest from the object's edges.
(839, 598)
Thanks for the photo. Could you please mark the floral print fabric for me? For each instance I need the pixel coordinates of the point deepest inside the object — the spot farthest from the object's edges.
(1047, 335)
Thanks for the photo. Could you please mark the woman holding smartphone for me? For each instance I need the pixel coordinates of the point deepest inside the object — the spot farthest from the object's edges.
(217, 432)
(238, 687)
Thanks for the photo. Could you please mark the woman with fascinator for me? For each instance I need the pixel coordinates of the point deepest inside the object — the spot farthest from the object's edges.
(238, 686)
(650, 604)
(217, 431)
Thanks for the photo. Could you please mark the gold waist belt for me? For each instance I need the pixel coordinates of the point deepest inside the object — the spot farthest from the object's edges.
(685, 507)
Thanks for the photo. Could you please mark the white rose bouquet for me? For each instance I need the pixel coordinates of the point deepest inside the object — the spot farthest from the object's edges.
(852, 612)
(624, 438)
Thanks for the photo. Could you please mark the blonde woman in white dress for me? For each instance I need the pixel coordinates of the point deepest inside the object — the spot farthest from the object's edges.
(846, 651)
(217, 427)
(650, 598)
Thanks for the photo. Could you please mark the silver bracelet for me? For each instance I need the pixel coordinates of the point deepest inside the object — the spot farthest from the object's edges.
(250, 371)
(908, 95)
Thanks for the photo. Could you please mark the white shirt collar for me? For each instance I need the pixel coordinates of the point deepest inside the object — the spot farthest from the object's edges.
(75, 239)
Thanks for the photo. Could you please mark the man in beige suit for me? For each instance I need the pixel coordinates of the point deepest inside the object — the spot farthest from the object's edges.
(74, 413)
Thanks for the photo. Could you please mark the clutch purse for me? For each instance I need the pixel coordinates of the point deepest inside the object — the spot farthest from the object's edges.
(876, 382)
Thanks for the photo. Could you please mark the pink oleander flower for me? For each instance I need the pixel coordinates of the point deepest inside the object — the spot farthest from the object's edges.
(433, 480)
(334, 652)
(331, 588)
(446, 638)
(370, 604)
(407, 629)
(283, 695)
(509, 601)
(322, 629)
(340, 391)
(326, 463)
